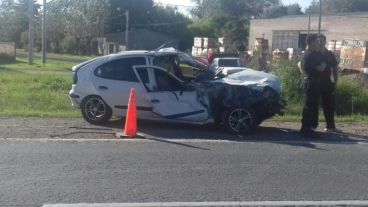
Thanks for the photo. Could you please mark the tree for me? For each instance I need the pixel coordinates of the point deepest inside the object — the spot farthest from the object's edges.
(169, 21)
(55, 24)
(145, 14)
(229, 18)
(95, 14)
(294, 9)
(14, 19)
(282, 10)
(338, 6)
(139, 12)
(85, 19)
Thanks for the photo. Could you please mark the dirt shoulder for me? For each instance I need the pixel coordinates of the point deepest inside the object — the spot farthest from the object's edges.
(17, 127)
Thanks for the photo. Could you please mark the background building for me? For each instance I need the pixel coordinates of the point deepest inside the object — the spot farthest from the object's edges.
(291, 31)
(141, 39)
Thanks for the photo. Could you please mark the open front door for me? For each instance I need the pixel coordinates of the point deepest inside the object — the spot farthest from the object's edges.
(170, 97)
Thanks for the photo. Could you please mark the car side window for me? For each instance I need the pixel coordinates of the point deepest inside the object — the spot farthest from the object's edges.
(166, 82)
(121, 69)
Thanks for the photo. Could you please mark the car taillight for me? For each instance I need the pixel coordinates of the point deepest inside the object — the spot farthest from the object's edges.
(75, 77)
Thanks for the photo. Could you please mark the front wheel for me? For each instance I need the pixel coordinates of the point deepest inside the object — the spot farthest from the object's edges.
(95, 111)
(239, 120)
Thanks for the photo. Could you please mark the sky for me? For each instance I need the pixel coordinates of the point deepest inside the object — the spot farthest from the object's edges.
(184, 4)
(302, 3)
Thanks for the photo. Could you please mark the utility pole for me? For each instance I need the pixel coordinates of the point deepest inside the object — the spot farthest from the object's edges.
(30, 32)
(43, 33)
(126, 29)
(320, 17)
(309, 22)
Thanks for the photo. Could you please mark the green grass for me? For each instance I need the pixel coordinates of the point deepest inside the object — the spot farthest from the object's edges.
(21, 64)
(21, 52)
(293, 113)
(44, 92)
(41, 95)
(77, 57)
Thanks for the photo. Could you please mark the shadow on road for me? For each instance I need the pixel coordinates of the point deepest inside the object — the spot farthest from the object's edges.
(261, 134)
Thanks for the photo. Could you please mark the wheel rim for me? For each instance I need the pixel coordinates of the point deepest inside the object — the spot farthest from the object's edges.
(95, 109)
(240, 120)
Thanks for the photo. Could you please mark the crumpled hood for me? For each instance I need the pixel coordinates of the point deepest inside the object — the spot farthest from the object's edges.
(231, 70)
(253, 77)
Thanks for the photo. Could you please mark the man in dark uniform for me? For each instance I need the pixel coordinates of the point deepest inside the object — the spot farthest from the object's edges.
(329, 79)
(312, 66)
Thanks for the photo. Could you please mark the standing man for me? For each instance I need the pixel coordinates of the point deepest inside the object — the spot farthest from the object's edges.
(329, 79)
(312, 66)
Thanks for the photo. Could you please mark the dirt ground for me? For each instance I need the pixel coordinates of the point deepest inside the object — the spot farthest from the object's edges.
(17, 127)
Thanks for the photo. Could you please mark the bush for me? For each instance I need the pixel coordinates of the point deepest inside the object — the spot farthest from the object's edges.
(351, 97)
(291, 80)
(68, 45)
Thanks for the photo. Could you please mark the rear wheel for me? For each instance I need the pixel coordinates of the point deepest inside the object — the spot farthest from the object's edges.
(239, 120)
(95, 111)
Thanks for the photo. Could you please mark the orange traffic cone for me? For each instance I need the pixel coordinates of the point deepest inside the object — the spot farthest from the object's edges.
(130, 129)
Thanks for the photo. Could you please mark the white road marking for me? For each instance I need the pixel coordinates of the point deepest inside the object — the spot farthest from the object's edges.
(219, 203)
(180, 140)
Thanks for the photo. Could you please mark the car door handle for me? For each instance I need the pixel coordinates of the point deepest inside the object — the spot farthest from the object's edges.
(155, 101)
(103, 88)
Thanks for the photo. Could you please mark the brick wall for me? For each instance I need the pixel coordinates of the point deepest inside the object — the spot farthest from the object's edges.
(337, 27)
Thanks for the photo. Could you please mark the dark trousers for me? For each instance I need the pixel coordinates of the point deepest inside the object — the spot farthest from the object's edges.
(315, 90)
(327, 90)
(311, 90)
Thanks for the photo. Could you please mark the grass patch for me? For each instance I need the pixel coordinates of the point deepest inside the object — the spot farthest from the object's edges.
(35, 95)
(45, 93)
(21, 64)
(293, 113)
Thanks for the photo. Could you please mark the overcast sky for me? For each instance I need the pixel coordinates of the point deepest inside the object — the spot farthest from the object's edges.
(187, 3)
(302, 3)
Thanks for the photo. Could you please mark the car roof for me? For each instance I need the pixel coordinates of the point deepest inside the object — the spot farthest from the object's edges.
(142, 52)
(227, 58)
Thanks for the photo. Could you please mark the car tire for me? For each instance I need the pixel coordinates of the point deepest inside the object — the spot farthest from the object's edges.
(95, 110)
(239, 120)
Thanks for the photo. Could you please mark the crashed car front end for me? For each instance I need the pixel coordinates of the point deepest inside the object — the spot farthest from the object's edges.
(251, 89)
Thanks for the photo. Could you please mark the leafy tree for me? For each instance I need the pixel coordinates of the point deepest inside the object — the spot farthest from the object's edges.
(55, 24)
(145, 14)
(294, 9)
(338, 6)
(169, 21)
(84, 19)
(276, 11)
(229, 18)
(139, 13)
(14, 19)
(282, 10)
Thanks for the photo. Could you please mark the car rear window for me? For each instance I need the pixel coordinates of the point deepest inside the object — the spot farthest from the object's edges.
(121, 69)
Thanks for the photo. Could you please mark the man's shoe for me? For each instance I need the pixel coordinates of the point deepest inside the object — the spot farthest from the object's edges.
(332, 130)
(309, 133)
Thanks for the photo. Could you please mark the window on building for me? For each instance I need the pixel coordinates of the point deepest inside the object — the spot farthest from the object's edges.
(285, 39)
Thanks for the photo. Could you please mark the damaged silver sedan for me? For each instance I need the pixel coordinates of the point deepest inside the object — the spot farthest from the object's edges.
(172, 86)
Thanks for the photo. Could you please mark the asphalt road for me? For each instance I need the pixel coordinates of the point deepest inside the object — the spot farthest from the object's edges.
(34, 172)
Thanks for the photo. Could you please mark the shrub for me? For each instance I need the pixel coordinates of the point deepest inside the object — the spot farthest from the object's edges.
(68, 45)
(291, 80)
(351, 97)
